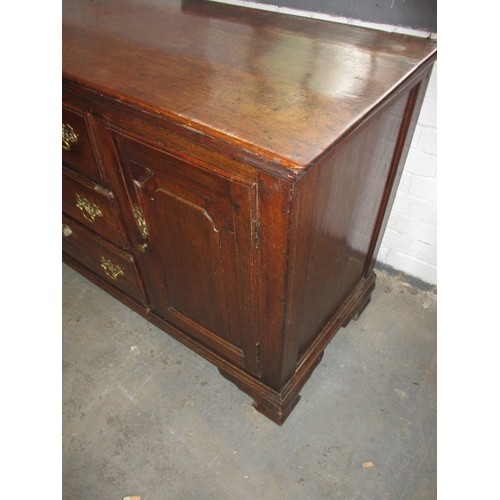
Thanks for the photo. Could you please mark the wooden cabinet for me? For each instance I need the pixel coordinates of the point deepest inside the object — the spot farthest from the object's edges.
(228, 174)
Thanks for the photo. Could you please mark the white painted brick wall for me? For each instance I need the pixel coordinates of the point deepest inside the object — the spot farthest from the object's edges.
(410, 240)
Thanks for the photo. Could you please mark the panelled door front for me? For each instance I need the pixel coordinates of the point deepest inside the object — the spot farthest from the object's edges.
(197, 225)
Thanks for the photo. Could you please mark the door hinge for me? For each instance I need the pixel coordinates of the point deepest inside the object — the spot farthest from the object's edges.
(257, 352)
(255, 233)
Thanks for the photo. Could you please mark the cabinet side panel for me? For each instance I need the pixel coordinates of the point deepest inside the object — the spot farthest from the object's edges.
(340, 200)
(415, 101)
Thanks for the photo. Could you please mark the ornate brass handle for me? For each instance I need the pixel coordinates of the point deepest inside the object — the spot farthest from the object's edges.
(141, 223)
(89, 210)
(66, 230)
(112, 270)
(69, 137)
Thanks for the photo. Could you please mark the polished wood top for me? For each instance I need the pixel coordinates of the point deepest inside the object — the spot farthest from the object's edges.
(283, 86)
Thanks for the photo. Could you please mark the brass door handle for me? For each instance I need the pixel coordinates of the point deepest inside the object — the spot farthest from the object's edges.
(89, 210)
(141, 223)
(69, 137)
(112, 270)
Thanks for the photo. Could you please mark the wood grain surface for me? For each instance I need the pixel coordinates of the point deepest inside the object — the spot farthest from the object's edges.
(286, 86)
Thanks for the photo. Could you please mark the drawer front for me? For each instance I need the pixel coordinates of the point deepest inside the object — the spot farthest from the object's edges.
(77, 151)
(93, 206)
(112, 264)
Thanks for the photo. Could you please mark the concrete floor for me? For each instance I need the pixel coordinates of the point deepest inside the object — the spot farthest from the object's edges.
(144, 415)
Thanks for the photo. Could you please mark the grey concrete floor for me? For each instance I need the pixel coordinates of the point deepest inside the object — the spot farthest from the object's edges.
(144, 415)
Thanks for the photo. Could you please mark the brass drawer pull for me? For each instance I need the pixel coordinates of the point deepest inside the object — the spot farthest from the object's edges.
(89, 210)
(66, 230)
(112, 270)
(69, 137)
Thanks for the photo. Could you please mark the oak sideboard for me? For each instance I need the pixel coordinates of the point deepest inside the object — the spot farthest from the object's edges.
(228, 173)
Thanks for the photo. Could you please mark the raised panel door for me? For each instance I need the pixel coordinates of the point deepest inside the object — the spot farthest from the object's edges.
(200, 248)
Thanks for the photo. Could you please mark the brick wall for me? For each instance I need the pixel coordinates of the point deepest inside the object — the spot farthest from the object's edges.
(409, 243)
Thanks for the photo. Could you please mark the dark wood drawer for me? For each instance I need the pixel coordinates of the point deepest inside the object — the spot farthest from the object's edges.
(110, 263)
(93, 206)
(77, 151)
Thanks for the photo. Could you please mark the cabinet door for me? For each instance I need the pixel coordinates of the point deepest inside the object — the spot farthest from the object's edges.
(200, 254)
